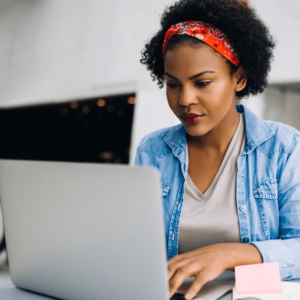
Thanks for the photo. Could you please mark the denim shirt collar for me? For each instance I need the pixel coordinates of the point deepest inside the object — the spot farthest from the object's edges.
(175, 138)
(257, 132)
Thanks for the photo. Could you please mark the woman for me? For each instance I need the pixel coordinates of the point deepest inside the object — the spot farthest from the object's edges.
(230, 180)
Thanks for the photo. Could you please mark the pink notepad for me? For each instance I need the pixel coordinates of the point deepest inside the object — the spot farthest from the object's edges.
(258, 279)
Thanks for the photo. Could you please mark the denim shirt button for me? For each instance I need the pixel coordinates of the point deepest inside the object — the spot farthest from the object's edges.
(242, 208)
(245, 240)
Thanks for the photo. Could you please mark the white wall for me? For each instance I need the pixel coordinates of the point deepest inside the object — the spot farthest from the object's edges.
(282, 17)
(53, 51)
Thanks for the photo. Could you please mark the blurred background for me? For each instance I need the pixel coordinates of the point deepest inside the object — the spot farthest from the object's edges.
(72, 87)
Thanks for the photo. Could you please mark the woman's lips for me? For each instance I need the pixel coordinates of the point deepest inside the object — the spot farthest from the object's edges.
(191, 118)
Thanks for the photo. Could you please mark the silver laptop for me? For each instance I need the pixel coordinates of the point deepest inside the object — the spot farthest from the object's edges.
(80, 231)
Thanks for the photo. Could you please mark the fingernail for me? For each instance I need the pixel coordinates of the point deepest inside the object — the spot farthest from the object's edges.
(188, 296)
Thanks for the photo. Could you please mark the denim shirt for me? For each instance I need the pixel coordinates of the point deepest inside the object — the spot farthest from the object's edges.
(267, 187)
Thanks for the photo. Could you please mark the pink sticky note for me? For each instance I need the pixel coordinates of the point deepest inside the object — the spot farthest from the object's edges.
(258, 279)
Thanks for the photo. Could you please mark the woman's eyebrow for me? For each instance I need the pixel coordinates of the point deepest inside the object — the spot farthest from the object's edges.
(170, 76)
(200, 74)
(192, 77)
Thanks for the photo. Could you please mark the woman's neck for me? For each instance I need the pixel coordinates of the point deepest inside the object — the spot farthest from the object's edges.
(218, 139)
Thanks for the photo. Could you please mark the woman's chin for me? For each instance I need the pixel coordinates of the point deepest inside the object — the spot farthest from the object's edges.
(196, 130)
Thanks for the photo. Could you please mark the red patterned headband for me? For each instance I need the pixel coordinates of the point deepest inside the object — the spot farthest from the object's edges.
(206, 33)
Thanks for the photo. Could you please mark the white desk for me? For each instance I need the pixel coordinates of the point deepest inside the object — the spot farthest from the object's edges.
(10, 292)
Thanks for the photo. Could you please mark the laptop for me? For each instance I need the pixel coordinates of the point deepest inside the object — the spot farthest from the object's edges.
(84, 231)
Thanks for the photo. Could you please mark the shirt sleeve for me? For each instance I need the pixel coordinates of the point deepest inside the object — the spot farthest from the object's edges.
(286, 250)
(138, 158)
(141, 159)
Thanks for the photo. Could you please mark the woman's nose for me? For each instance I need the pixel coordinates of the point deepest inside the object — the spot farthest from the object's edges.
(187, 97)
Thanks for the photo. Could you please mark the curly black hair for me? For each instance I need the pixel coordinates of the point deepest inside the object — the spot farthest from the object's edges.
(248, 35)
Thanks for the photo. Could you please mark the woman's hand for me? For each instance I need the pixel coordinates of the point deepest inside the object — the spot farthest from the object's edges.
(207, 263)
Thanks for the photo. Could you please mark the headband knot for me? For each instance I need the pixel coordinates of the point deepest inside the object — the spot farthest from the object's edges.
(206, 33)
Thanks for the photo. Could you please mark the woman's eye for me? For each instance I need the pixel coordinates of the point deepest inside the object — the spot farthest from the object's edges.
(203, 83)
(172, 85)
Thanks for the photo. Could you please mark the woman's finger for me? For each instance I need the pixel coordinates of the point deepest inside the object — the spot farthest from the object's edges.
(178, 258)
(176, 281)
(196, 286)
(175, 265)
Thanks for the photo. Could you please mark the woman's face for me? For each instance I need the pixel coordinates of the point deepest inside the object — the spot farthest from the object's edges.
(200, 88)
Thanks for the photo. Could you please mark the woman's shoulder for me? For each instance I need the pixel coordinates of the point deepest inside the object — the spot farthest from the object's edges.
(154, 142)
(284, 138)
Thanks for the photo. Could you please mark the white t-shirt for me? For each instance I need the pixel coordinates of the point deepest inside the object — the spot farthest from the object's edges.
(212, 218)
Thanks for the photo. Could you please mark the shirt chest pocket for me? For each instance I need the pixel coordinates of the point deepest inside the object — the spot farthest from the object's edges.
(267, 189)
(266, 195)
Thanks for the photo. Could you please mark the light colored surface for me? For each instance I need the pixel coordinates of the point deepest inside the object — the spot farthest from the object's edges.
(291, 291)
(9, 291)
(56, 50)
(73, 229)
(282, 18)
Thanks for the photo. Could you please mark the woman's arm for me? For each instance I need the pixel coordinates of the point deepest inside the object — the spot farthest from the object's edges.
(207, 263)
(241, 254)
(286, 249)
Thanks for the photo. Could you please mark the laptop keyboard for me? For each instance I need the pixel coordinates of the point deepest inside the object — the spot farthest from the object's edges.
(178, 296)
